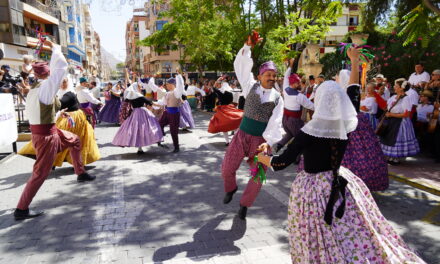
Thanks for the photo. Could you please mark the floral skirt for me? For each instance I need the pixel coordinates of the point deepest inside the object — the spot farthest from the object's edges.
(361, 236)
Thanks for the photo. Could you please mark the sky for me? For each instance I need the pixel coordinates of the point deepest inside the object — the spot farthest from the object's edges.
(109, 18)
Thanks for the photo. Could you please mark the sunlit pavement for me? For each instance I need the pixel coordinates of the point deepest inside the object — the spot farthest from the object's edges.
(164, 207)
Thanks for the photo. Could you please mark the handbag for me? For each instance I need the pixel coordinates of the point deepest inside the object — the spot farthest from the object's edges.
(382, 127)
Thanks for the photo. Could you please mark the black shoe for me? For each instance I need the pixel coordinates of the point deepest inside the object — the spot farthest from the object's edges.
(242, 212)
(140, 152)
(392, 162)
(25, 214)
(85, 177)
(176, 150)
(159, 144)
(228, 196)
(226, 144)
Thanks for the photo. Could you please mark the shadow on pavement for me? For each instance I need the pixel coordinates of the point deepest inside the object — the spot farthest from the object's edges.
(205, 235)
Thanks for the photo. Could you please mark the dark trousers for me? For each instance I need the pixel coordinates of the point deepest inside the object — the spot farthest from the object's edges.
(173, 120)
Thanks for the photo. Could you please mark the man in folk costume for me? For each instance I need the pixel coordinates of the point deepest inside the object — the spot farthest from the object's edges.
(41, 107)
(86, 99)
(263, 114)
(294, 100)
(172, 101)
(191, 94)
(95, 90)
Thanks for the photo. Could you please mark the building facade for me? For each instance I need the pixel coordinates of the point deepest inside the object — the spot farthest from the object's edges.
(134, 53)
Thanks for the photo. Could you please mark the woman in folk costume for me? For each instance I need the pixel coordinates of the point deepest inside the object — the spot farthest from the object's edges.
(48, 140)
(262, 118)
(332, 216)
(364, 156)
(77, 124)
(399, 140)
(191, 90)
(186, 117)
(294, 101)
(369, 105)
(160, 92)
(141, 128)
(227, 117)
(86, 99)
(126, 107)
(110, 111)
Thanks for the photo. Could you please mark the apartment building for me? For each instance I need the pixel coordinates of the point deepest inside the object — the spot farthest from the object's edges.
(76, 54)
(163, 63)
(134, 53)
(348, 22)
(21, 23)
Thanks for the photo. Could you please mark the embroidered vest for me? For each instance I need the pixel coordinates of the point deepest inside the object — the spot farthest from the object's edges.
(37, 112)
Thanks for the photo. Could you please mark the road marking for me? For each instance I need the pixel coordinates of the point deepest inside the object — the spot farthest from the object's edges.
(429, 217)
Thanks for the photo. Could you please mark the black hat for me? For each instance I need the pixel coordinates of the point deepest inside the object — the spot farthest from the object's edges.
(311, 77)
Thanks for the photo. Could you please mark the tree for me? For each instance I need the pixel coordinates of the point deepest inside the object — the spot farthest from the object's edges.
(206, 29)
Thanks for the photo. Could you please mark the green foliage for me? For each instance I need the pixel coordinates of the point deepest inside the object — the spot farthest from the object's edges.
(420, 24)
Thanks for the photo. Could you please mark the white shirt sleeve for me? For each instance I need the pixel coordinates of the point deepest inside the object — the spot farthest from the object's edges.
(243, 69)
(180, 85)
(89, 97)
(152, 85)
(305, 102)
(274, 130)
(58, 69)
(406, 104)
(200, 91)
(286, 78)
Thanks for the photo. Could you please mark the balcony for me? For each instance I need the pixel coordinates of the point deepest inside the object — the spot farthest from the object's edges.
(35, 9)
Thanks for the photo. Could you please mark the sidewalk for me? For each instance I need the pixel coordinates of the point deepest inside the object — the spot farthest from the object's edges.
(420, 172)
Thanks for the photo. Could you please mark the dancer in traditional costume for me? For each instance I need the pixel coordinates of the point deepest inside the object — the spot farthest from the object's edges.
(364, 156)
(186, 117)
(47, 139)
(112, 107)
(369, 105)
(399, 140)
(172, 101)
(332, 216)
(262, 120)
(78, 125)
(141, 128)
(86, 99)
(96, 92)
(191, 91)
(227, 117)
(294, 101)
(160, 92)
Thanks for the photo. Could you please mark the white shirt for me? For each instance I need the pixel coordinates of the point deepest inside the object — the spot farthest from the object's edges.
(191, 90)
(85, 96)
(371, 104)
(294, 102)
(161, 92)
(403, 105)
(243, 69)
(423, 111)
(96, 92)
(415, 78)
(178, 91)
(413, 95)
(58, 68)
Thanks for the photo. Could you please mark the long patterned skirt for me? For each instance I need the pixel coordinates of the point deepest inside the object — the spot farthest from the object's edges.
(406, 143)
(361, 236)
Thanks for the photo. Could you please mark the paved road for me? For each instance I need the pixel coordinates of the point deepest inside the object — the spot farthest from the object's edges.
(162, 207)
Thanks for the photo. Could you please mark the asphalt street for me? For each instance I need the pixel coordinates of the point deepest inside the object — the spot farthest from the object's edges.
(164, 207)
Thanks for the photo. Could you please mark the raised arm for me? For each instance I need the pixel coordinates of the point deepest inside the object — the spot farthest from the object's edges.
(180, 85)
(354, 54)
(152, 85)
(243, 69)
(287, 74)
(58, 69)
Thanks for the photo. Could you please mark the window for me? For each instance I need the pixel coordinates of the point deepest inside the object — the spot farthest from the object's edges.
(80, 37)
(71, 35)
(159, 24)
(4, 27)
(136, 27)
(69, 13)
(354, 20)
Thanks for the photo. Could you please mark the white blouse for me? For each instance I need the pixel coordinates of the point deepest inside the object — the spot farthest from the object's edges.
(371, 104)
(403, 105)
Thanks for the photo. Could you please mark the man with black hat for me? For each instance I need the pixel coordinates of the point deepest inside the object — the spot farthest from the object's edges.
(86, 99)
(48, 140)
(172, 101)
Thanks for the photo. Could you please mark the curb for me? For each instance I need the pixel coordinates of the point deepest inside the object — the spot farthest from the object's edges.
(422, 186)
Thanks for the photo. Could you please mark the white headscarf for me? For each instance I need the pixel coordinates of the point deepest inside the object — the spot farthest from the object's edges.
(132, 94)
(62, 92)
(344, 79)
(334, 115)
(225, 88)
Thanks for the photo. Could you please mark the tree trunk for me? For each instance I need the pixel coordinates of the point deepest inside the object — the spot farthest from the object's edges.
(431, 6)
